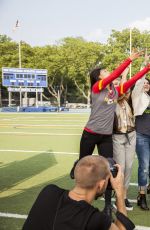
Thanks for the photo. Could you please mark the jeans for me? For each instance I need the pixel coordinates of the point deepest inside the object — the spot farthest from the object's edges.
(143, 154)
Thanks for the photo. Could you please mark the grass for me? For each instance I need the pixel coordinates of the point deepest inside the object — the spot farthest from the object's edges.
(24, 173)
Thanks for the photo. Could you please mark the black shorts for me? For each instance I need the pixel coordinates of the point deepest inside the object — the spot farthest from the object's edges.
(90, 140)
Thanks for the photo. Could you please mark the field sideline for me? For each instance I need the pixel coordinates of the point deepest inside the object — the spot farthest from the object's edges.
(37, 149)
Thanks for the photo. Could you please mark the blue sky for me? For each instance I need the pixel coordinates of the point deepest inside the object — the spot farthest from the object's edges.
(46, 21)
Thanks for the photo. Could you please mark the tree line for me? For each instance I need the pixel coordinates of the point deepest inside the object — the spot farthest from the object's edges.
(70, 61)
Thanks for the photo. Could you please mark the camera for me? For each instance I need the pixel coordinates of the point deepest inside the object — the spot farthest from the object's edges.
(113, 170)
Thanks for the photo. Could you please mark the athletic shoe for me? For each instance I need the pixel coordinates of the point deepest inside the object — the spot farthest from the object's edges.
(128, 205)
(114, 205)
(141, 201)
(148, 189)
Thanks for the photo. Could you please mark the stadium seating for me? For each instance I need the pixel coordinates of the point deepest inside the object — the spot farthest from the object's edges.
(33, 109)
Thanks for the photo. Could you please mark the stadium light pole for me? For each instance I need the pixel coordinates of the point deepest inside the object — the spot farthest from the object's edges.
(130, 49)
(17, 28)
(19, 53)
(19, 45)
(20, 67)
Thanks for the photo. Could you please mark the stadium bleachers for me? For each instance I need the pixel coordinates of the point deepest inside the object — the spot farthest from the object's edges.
(34, 109)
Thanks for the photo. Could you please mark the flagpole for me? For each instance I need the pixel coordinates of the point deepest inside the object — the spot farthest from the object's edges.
(19, 43)
(19, 47)
(130, 50)
(19, 53)
(17, 26)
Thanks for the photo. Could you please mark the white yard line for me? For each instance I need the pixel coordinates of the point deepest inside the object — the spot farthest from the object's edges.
(11, 215)
(133, 184)
(42, 119)
(48, 134)
(18, 216)
(45, 151)
(36, 151)
(44, 125)
(142, 228)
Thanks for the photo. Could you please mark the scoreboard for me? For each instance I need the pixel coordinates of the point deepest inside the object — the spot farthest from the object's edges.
(23, 77)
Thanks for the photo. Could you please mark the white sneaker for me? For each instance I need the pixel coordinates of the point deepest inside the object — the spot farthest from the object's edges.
(128, 205)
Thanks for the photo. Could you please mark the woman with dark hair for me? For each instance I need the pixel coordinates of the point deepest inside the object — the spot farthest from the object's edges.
(141, 106)
(98, 130)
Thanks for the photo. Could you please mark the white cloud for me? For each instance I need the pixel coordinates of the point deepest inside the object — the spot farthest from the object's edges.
(141, 24)
(97, 35)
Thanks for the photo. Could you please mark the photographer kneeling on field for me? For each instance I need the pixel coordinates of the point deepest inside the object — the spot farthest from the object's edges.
(57, 208)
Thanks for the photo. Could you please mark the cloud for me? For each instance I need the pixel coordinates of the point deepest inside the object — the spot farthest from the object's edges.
(97, 35)
(141, 24)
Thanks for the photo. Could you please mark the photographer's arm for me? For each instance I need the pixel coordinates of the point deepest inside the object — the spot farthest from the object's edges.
(117, 184)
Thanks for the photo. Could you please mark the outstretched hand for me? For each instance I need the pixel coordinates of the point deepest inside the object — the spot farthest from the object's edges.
(148, 65)
(135, 55)
(146, 58)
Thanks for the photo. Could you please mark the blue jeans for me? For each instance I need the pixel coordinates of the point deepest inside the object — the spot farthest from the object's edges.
(143, 154)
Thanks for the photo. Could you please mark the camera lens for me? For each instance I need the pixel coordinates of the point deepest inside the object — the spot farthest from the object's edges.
(113, 170)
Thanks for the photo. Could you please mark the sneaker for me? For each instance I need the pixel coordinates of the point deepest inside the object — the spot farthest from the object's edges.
(128, 205)
(141, 201)
(114, 205)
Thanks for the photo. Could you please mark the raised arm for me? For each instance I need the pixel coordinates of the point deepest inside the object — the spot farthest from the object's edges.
(123, 88)
(138, 89)
(101, 84)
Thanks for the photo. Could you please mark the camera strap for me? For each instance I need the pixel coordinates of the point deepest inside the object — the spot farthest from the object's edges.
(129, 225)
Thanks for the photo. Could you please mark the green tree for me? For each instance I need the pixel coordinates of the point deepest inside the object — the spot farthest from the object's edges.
(80, 57)
(70, 61)
(8, 56)
(118, 47)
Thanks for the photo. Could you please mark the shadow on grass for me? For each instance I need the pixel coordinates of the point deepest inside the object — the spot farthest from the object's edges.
(22, 202)
(18, 171)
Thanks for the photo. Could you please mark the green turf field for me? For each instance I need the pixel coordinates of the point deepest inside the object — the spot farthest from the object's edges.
(38, 149)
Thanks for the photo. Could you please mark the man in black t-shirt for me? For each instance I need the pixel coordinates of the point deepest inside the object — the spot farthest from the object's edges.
(56, 208)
